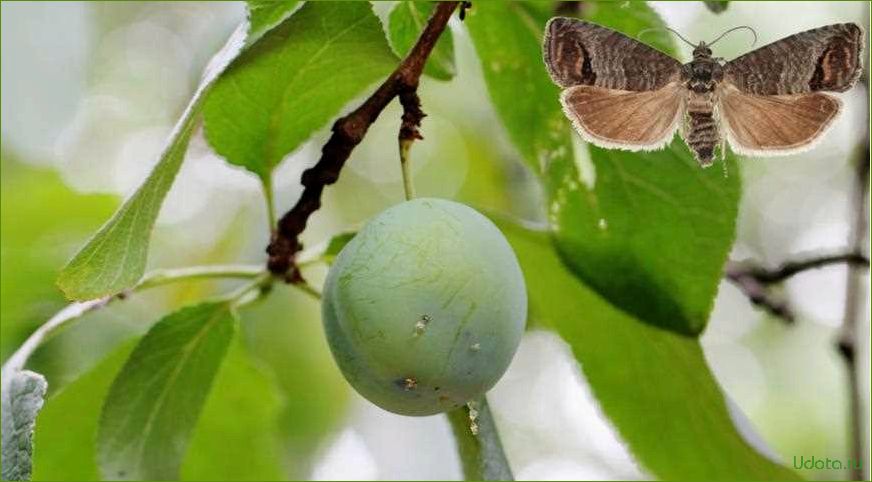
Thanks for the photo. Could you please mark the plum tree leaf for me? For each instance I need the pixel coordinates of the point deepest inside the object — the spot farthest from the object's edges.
(406, 21)
(678, 427)
(263, 15)
(291, 82)
(336, 244)
(21, 400)
(665, 225)
(156, 399)
(115, 257)
(649, 231)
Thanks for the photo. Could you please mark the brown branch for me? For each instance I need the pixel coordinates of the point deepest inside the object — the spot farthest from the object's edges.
(755, 281)
(790, 268)
(412, 116)
(847, 341)
(348, 132)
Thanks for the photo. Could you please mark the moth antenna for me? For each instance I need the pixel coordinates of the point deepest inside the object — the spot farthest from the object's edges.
(734, 29)
(639, 35)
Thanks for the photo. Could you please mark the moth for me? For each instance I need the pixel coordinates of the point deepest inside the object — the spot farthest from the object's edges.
(620, 93)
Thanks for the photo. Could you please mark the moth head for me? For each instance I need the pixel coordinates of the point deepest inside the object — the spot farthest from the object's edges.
(702, 51)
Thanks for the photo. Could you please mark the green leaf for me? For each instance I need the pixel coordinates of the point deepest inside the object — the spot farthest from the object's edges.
(654, 230)
(335, 245)
(293, 81)
(652, 235)
(653, 384)
(155, 401)
(236, 437)
(21, 400)
(114, 259)
(407, 20)
(263, 15)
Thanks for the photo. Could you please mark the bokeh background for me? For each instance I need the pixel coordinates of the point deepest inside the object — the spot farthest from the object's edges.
(91, 90)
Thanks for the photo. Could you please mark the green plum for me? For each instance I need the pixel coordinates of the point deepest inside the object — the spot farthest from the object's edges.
(424, 309)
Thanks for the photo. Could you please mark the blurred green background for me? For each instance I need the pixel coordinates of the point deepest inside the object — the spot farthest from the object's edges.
(91, 90)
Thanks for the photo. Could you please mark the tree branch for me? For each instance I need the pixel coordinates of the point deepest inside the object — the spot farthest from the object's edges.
(755, 280)
(847, 341)
(348, 132)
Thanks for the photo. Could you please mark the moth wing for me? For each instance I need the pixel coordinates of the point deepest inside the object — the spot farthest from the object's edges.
(583, 53)
(621, 119)
(822, 59)
(772, 125)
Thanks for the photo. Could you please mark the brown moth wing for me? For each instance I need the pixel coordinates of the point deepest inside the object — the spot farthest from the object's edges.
(582, 53)
(822, 59)
(621, 119)
(771, 125)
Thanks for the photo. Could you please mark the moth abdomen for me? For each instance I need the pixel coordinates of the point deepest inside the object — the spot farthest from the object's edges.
(703, 135)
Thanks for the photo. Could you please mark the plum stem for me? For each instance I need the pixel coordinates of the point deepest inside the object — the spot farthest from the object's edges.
(408, 182)
(481, 452)
(347, 133)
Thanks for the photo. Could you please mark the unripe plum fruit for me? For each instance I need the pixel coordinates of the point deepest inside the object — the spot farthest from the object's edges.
(425, 307)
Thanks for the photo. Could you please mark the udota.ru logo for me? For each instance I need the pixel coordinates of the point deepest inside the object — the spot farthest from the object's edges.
(809, 463)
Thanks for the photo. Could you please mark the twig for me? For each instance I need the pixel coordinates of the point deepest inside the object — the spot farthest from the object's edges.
(478, 443)
(160, 277)
(155, 278)
(309, 290)
(791, 268)
(755, 280)
(250, 291)
(847, 341)
(348, 132)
